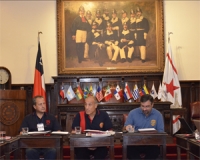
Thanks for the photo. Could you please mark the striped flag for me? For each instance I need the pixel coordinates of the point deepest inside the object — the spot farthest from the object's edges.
(39, 84)
(79, 93)
(70, 94)
(145, 90)
(136, 94)
(108, 94)
(127, 92)
(99, 94)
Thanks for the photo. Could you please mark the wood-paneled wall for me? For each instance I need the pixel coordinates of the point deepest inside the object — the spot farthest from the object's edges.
(190, 93)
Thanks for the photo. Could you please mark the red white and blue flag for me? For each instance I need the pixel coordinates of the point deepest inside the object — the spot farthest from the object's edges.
(127, 92)
(62, 92)
(118, 92)
(39, 84)
(99, 94)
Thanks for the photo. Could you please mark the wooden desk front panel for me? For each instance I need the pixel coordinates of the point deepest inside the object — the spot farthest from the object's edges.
(144, 139)
(92, 142)
(194, 147)
(40, 142)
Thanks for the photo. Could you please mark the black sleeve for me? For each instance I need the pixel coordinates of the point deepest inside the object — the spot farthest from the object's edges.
(107, 122)
(24, 123)
(56, 125)
(76, 121)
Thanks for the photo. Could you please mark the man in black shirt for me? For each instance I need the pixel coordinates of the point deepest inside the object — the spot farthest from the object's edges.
(40, 121)
(93, 119)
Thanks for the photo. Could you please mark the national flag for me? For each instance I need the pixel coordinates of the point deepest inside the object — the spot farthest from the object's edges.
(108, 94)
(136, 94)
(160, 91)
(153, 92)
(141, 92)
(62, 92)
(79, 93)
(99, 94)
(80, 90)
(91, 89)
(70, 94)
(145, 90)
(171, 86)
(86, 92)
(117, 92)
(127, 92)
(39, 84)
(162, 94)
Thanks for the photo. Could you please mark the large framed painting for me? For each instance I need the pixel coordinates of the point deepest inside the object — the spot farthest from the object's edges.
(110, 37)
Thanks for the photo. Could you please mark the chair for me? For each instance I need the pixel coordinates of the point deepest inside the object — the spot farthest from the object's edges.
(195, 110)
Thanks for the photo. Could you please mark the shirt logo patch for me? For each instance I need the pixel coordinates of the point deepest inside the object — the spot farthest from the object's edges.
(101, 125)
(153, 122)
(48, 122)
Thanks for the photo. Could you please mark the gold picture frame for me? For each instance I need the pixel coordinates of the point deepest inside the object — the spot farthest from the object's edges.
(68, 62)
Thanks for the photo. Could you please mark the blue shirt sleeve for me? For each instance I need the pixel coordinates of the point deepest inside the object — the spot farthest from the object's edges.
(160, 123)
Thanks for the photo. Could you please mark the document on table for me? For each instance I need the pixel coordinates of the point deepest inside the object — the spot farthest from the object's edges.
(60, 132)
(38, 132)
(146, 129)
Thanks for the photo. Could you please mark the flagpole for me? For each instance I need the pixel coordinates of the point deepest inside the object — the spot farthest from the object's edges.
(169, 36)
(39, 35)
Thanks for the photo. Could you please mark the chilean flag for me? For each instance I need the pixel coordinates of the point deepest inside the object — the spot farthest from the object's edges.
(39, 85)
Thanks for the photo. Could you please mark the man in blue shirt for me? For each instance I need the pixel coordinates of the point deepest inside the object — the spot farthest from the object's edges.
(144, 117)
(40, 121)
(93, 119)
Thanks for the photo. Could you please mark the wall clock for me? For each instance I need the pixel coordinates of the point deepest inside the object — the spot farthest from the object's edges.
(5, 78)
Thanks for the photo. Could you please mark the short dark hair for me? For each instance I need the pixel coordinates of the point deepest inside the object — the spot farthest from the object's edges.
(146, 97)
(34, 99)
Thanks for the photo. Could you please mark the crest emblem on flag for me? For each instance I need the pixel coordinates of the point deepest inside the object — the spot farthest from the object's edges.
(108, 94)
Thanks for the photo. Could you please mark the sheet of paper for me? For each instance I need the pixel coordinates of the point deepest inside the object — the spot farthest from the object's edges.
(146, 129)
(38, 132)
(59, 132)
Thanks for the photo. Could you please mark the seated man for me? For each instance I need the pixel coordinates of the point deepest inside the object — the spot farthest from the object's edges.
(40, 121)
(144, 116)
(94, 119)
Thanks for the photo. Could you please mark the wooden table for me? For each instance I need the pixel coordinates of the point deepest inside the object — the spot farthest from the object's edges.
(8, 147)
(194, 148)
(53, 141)
(12, 147)
(83, 141)
(3, 150)
(135, 139)
(182, 143)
